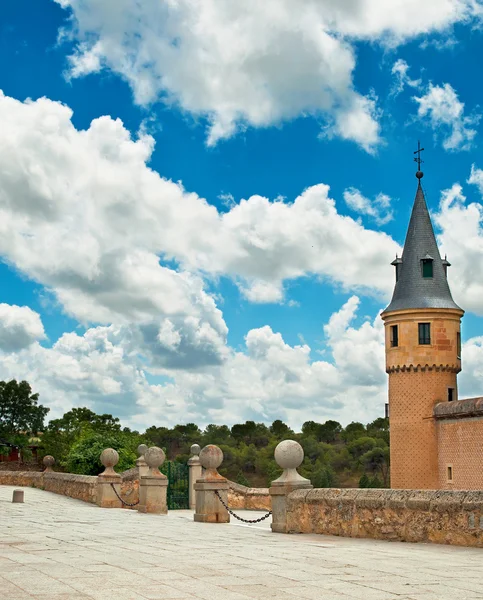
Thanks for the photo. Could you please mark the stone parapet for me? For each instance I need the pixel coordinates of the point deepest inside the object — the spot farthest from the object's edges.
(441, 517)
(245, 498)
(460, 409)
(81, 487)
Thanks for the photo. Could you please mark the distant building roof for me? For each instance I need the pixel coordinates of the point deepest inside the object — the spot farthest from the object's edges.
(412, 290)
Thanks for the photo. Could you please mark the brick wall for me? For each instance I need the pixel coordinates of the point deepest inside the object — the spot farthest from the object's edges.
(442, 517)
(419, 378)
(460, 444)
(414, 443)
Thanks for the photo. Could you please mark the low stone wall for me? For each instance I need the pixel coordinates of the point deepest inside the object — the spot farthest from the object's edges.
(242, 497)
(441, 517)
(81, 487)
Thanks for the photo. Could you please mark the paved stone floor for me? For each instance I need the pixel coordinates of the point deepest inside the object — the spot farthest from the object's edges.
(56, 548)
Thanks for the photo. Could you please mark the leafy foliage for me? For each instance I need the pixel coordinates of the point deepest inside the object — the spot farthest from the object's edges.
(20, 412)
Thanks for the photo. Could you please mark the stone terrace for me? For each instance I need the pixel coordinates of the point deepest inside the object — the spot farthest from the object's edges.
(57, 548)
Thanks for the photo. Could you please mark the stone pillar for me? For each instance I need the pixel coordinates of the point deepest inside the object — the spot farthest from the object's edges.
(289, 455)
(106, 496)
(195, 473)
(17, 496)
(49, 462)
(141, 462)
(209, 509)
(153, 487)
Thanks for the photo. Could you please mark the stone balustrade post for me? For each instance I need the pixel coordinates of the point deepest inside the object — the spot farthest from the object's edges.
(209, 509)
(141, 464)
(153, 487)
(106, 496)
(289, 455)
(195, 473)
(49, 462)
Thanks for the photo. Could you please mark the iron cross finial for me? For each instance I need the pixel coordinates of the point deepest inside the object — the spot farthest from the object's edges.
(419, 174)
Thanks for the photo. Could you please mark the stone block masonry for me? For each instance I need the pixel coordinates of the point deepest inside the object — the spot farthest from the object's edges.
(81, 487)
(245, 498)
(441, 517)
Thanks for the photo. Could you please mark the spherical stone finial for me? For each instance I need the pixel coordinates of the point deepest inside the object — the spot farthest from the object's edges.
(49, 462)
(142, 449)
(154, 457)
(211, 457)
(195, 449)
(419, 174)
(109, 458)
(289, 454)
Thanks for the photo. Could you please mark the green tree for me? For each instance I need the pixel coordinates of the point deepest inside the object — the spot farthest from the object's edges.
(61, 434)
(377, 462)
(84, 456)
(364, 481)
(20, 412)
(279, 429)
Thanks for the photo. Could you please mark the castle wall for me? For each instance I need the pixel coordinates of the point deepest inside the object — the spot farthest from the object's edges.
(459, 427)
(414, 442)
(419, 378)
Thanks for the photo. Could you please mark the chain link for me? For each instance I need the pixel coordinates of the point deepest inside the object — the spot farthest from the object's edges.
(217, 493)
(123, 501)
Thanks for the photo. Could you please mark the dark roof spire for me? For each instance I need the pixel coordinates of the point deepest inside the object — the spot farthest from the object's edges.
(417, 287)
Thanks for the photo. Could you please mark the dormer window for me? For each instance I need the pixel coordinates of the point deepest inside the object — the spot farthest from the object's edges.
(397, 265)
(427, 267)
(446, 264)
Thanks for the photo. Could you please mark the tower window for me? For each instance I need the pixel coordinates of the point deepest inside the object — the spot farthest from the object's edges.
(394, 336)
(427, 266)
(424, 333)
(449, 472)
(458, 345)
(450, 394)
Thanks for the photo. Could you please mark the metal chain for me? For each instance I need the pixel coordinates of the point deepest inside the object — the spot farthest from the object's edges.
(125, 503)
(238, 517)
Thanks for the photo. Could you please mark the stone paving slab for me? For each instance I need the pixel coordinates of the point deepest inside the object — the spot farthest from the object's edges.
(57, 548)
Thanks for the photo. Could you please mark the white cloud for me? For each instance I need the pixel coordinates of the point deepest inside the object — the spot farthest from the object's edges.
(105, 370)
(378, 209)
(400, 71)
(82, 214)
(445, 113)
(250, 63)
(461, 238)
(20, 327)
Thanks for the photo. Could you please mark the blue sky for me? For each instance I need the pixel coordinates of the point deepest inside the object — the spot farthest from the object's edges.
(346, 113)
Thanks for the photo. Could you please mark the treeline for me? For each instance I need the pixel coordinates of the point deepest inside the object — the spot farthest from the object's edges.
(356, 455)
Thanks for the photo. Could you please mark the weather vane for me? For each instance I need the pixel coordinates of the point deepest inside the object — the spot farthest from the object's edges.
(419, 174)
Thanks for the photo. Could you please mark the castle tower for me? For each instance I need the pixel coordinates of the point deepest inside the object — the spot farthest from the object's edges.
(423, 358)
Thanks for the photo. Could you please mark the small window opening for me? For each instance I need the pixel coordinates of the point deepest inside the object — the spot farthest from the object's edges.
(427, 267)
(450, 394)
(394, 336)
(424, 333)
(450, 472)
(458, 345)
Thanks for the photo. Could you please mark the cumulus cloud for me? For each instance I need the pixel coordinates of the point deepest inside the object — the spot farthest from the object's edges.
(400, 71)
(20, 327)
(106, 369)
(461, 238)
(82, 213)
(378, 209)
(446, 115)
(250, 63)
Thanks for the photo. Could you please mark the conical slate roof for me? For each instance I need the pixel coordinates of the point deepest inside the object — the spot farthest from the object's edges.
(412, 289)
